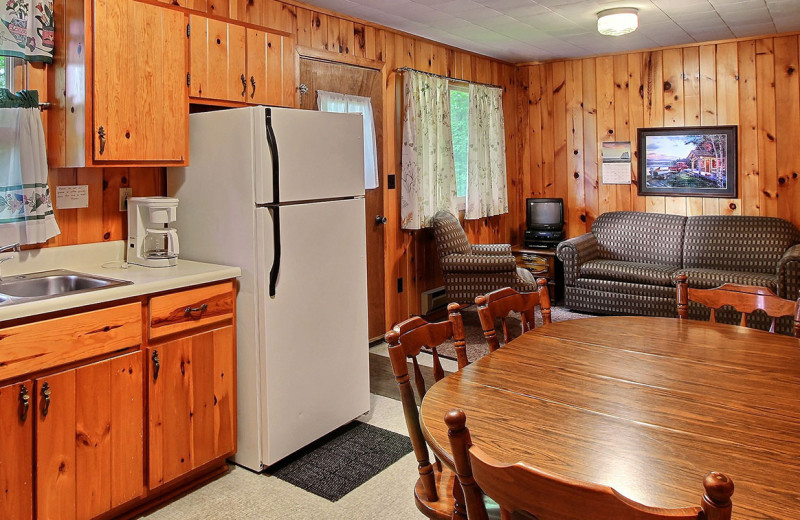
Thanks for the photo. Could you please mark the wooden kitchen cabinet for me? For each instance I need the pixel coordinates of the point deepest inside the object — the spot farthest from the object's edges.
(89, 438)
(192, 404)
(16, 450)
(119, 81)
(217, 58)
(234, 63)
(270, 68)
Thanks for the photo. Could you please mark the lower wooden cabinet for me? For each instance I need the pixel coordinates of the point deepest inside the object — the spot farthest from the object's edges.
(192, 405)
(16, 450)
(89, 438)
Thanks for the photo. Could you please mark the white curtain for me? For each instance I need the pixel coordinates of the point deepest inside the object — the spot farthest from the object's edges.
(428, 167)
(26, 213)
(344, 103)
(486, 177)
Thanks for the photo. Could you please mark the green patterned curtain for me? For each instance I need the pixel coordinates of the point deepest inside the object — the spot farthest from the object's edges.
(27, 30)
(21, 99)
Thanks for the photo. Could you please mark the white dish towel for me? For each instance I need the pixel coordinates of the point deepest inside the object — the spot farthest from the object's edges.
(26, 211)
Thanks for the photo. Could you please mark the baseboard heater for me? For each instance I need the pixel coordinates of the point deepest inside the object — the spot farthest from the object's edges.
(433, 300)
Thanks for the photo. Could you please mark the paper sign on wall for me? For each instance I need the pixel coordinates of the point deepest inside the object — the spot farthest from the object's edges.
(72, 197)
(616, 162)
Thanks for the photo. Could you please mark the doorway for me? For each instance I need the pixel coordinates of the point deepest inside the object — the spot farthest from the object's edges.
(366, 82)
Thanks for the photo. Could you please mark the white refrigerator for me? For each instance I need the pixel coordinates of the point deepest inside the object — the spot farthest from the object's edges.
(280, 193)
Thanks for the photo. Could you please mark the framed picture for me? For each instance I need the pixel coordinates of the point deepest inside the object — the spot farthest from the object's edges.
(692, 161)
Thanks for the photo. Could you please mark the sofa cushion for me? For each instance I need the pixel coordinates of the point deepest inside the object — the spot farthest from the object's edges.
(633, 289)
(634, 236)
(710, 278)
(737, 243)
(633, 272)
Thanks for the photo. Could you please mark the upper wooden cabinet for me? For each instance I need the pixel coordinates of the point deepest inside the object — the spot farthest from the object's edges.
(231, 62)
(122, 73)
(216, 60)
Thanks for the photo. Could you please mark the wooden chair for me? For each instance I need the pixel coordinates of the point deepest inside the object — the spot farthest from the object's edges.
(434, 491)
(743, 298)
(498, 304)
(519, 487)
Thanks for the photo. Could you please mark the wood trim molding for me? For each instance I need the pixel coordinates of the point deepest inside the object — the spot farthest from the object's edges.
(204, 14)
(336, 57)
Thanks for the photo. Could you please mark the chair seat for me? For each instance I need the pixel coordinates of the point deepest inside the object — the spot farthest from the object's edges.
(710, 278)
(632, 272)
(443, 508)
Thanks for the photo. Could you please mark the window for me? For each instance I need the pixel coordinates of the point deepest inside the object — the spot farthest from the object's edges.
(7, 66)
(335, 102)
(459, 122)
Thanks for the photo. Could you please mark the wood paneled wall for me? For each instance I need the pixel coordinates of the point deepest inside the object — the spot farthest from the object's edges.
(102, 221)
(408, 255)
(567, 108)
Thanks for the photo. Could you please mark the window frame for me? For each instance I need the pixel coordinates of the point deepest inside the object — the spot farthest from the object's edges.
(459, 87)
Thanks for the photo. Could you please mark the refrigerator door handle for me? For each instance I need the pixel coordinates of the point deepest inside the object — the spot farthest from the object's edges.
(275, 207)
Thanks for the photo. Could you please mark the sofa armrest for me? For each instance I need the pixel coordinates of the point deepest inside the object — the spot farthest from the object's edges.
(460, 263)
(789, 273)
(491, 249)
(574, 252)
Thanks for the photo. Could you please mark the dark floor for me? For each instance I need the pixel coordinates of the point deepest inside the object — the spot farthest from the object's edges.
(381, 377)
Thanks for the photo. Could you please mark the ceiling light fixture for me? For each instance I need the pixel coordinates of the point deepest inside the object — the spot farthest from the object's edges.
(619, 21)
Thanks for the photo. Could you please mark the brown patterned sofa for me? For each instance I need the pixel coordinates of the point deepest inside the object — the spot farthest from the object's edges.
(628, 263)
(474, 270)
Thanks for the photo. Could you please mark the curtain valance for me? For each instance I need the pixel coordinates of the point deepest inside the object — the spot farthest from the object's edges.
(27, 30)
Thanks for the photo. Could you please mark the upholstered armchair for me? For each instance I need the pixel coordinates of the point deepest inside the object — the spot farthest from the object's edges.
(473, 270)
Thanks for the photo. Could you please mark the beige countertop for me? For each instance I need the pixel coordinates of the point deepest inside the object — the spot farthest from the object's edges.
(104, 259)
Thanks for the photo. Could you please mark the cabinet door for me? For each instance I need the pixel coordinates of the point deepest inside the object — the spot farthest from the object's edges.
(191, 395)
(16, 451)
(90, 438)
(109, 434)
(140, 99)
(257, 66)
(55, 446)
(217, 59)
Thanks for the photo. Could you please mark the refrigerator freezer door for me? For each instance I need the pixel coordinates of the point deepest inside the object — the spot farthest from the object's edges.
(315, 370)
(320, 155)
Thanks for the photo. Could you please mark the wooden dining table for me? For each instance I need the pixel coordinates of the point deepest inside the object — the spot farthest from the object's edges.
(645, 405)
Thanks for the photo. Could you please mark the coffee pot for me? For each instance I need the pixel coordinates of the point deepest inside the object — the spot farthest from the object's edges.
(152, 242)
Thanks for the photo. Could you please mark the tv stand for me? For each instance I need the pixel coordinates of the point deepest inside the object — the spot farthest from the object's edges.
(542, 263)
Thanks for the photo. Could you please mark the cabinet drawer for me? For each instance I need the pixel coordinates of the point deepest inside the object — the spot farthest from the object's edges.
(191, 309)
(50, 343)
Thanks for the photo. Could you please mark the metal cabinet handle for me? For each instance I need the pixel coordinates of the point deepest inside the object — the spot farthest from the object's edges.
(101, 133)
(253, 82)
(24, 403)
(244, 85)
(380, 220)
(46, 391)
(156, 365)
(188, 312)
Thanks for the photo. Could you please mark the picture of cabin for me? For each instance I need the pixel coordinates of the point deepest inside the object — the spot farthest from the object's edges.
(687, 161)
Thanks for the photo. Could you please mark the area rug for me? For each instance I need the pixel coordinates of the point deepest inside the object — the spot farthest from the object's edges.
(343, 460)
(476, 343)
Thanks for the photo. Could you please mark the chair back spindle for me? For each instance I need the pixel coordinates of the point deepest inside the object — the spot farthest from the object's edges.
(745, 299)
(500, 303)
(406, 340)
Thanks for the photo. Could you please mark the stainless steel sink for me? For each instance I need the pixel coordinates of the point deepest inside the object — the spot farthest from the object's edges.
(50, 284)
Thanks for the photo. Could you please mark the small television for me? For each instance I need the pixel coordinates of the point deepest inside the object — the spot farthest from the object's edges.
(545, 214)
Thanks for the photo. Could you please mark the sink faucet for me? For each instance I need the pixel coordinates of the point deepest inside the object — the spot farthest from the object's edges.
(10, 247)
